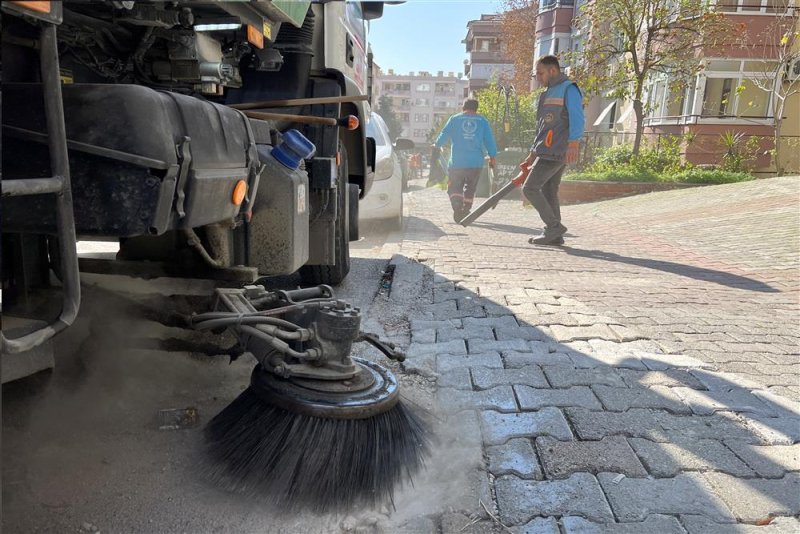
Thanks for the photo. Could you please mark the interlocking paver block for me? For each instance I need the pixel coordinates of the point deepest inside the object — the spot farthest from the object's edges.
(722, 381)
(538, 525)
(562, 376)
(447, 362)
(539, 357)
(755, 499)
(668, 377)
(778, 404)
(455, 400)
(528, 333)
(549, 319)
(449, 334)
(657, 524)
(769, 461)
(537, 398)
(427, 324)
(423, 336)
(449, 347)
(484, 345)
(735, 400)
(503, 321)
(625, 333)
(606, 358)
(531, 375)
(613, 454)
(457, 378)
(622, 399)
(654, 425)
(659, 362)
(696, 524)
(521, 500)
(633, 499)
(573, 333)
(670, 459)
(514, 458)
(500, 427)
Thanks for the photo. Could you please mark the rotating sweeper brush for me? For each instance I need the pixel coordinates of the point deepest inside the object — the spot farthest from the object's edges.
(316, 428)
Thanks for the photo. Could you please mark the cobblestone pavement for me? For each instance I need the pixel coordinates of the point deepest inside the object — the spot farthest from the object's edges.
(643, 378)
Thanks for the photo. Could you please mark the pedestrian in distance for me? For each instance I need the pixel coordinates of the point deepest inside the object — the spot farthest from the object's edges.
(471, 138)
(560, 124)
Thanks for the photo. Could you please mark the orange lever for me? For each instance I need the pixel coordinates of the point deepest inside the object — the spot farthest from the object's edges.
(523, 174)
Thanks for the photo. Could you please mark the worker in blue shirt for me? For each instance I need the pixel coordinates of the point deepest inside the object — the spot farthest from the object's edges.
(560, 125)
(471, 138)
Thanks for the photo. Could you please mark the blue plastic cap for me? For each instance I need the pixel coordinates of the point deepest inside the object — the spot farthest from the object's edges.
(294, 148)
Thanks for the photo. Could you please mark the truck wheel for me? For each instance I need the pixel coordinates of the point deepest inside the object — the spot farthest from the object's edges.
(334, 274)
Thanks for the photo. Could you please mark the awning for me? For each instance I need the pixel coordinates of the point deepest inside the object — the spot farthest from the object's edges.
(625, 115)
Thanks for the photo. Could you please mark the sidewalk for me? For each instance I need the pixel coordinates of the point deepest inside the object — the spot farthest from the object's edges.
(645, 377)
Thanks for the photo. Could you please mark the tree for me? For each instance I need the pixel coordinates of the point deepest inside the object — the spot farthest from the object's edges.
(518, 39)
(627, 43)
(386, 109)
(779, 46)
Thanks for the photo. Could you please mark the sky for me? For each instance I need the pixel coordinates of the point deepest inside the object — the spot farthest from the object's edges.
(425, 34)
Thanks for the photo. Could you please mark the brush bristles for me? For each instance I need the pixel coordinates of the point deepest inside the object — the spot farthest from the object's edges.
(296, 461)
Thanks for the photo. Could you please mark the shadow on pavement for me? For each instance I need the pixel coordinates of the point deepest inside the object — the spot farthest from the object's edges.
(690, 271)
(656, 432)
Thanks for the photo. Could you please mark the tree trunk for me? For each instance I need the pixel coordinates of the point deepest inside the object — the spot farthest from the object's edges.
(778, 106)
(638, 110)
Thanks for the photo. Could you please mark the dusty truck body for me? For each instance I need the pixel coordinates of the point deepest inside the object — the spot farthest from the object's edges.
(213, 139)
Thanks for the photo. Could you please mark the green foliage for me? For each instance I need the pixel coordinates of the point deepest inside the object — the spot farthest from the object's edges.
(710, 176)
(689, 176)
(662, 159)
(386, 109)
(740, 151)
(660, 163)
(518, 113)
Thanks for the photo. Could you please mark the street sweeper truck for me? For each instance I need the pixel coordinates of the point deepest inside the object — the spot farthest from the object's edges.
(223, 140)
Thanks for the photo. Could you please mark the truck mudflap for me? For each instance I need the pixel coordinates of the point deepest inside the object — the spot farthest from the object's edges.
(143, 161)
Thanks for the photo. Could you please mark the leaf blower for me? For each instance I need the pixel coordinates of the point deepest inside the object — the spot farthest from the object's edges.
(492, 201)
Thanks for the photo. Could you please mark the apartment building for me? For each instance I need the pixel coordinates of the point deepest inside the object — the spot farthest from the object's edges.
(486, 60)
(420, 100)
(723, 97)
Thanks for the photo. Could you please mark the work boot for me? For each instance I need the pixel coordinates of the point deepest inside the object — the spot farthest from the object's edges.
(547, 240)
(556, 231)
(459, 214)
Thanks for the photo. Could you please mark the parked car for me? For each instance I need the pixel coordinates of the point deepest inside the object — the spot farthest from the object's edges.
(385, 199)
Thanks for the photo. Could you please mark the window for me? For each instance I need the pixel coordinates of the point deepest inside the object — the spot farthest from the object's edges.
(423, 87)
(752, 101)
(421, 117)
(405, 103)
(402, 117)
(754, 6)
(422, 102)
(420, 133)
(717, 97)
(444, 89)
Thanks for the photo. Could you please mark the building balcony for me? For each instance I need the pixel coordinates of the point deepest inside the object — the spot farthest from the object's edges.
(484, 56)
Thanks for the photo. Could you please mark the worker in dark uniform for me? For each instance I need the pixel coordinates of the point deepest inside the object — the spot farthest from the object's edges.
(471, 137)
(559, 131)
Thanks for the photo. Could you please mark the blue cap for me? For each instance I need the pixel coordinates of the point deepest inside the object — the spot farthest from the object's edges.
(294, 148)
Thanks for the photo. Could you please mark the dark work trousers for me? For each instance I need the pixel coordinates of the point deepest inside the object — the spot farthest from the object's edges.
(541, 189)
(461, 187)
